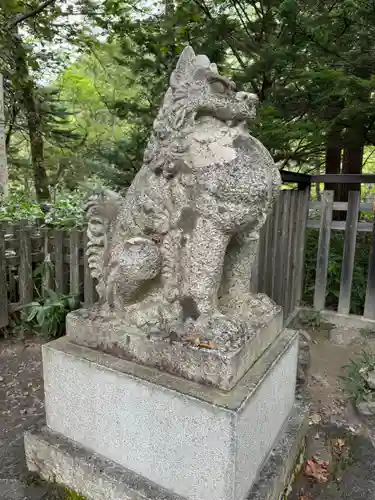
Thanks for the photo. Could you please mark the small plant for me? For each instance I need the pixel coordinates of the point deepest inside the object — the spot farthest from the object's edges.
(355, 379)
(367, 333)
(72, 495)
(47, 316)
(311, 318)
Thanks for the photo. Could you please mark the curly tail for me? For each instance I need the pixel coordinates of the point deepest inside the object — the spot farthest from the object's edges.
(101, 212)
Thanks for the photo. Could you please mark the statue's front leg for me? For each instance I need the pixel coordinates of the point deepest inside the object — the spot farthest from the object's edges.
(202, 259)
(239, 259)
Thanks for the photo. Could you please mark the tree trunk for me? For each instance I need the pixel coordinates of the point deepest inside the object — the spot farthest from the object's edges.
(333, 158)
(34, 123)
(333, 164)
(3, 150)
(352, 164)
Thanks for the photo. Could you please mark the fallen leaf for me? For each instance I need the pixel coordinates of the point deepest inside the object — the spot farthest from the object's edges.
(339, 443)
(317, 470)
(305, 497)
(208, 345)
(315, 419)
(195, 341)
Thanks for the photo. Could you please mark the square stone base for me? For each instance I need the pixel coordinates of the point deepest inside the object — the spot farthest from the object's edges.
(222, 366)
(57, 459)
(196, 441)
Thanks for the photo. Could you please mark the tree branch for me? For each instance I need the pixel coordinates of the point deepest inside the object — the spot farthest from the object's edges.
(32, 13)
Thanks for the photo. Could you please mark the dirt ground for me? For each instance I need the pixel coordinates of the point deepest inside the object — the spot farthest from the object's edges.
(21, 406)
(339, 461)
(340, 453)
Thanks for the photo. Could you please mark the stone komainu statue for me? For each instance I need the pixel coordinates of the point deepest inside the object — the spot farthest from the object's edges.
(175, 255)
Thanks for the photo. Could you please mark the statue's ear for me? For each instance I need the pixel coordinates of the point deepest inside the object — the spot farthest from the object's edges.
(184, 67)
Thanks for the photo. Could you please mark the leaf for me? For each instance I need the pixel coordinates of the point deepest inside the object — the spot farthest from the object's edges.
(195, 341)
(339, 443)
(315, 419)
(40, 317)
(208, 345)
(52, 295)
(317, 470)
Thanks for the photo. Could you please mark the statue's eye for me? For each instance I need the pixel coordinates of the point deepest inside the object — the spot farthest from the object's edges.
(218, 87)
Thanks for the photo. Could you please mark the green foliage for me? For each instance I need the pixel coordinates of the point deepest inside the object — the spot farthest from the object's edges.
(367, 333)
(312, 319)
(67, 210)
(72, 495)
(47, 316)
(359, 283)
(355, 377)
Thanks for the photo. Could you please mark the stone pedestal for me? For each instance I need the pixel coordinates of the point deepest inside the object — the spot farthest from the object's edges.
(222, 367)
(120, 430)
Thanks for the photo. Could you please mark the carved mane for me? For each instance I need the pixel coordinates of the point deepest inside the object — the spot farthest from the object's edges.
(176, 116)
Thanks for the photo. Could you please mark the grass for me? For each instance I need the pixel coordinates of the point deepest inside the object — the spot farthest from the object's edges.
(354, 380)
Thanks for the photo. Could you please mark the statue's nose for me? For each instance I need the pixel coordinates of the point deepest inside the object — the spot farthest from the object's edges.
(246, 96)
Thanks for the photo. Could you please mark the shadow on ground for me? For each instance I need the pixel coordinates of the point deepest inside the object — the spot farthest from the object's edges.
(351, 466)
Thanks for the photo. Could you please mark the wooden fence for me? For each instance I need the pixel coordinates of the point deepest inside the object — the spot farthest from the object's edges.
(32, 257)
(280, 263)
(278, 270)
(351, 226)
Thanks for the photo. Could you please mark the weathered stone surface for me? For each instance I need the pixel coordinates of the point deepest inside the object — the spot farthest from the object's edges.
(366, 408)
(174, 257)
(304, 358)
(279, 466)
(221, 366)
(56, 458)
(191, 439)
(371, 380)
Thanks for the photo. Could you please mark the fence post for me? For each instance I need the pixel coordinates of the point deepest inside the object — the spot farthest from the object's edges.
(323, 250)
(58, 236)
(283, 249)
(349, 252)
(268, 252)
(25, 270)
(303, 215)
(293, 237)
(47, 276)
(274, 247)
(74, 263)
(369, 311)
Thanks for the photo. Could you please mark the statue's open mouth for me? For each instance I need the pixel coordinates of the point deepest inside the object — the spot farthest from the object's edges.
(239, 120)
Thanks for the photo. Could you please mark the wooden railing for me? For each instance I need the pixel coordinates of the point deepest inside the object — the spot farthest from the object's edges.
(31, 257)
(277, 272)
(351, 226)
(280, 263)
